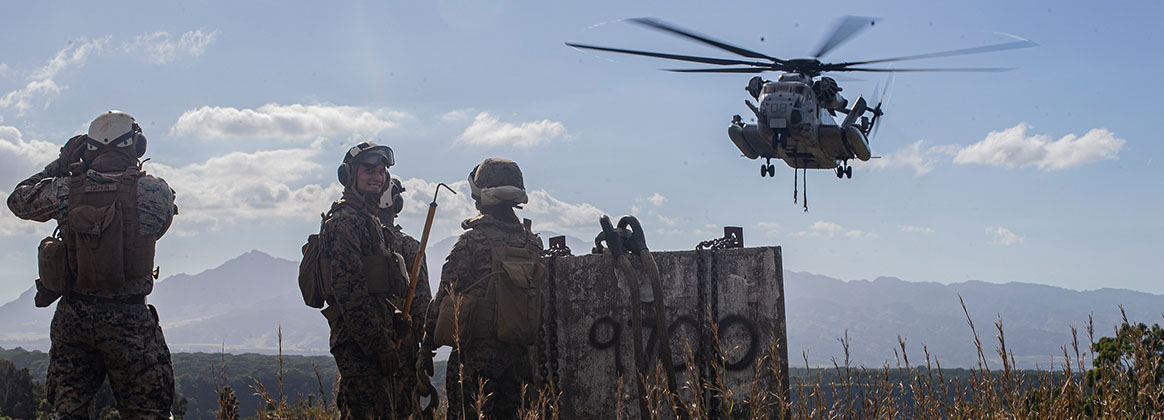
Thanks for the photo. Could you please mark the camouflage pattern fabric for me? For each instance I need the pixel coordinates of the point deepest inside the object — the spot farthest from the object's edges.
(90, 340)
(504, 367)
(363, 332)
(366, 391)
(42, 198)
(93, 340)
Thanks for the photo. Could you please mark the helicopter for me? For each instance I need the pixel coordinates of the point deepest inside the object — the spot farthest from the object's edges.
(795, 116)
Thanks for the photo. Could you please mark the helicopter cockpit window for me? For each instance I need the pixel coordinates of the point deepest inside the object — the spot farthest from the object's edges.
(784, 87)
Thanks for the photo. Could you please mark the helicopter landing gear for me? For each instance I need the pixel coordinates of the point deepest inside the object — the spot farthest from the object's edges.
(844, 171)
(768, 169)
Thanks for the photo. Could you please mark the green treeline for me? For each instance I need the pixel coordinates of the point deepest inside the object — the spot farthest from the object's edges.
(197, 377)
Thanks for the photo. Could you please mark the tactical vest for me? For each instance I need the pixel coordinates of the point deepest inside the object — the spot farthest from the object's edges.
(385, 272)
(106, 247)
(509, 311)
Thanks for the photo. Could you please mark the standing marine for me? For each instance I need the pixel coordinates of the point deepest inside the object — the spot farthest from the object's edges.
(489, 301)
(406, 379)
(365, 279)
(100, 264)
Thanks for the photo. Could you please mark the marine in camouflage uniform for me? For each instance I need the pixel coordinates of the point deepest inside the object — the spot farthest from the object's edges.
(503, 368)
(362, 323)
(110, 332)
(402, 243)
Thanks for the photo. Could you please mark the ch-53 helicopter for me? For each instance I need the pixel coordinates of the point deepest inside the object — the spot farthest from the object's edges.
(795, 116)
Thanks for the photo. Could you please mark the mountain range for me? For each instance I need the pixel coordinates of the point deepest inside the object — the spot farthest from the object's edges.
(241, 305)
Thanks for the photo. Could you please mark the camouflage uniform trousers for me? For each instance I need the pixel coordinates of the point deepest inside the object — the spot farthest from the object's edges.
(123, 341)
(367, 391)
(503, 368)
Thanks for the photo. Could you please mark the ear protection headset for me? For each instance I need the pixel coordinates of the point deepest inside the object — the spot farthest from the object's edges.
(397, 198)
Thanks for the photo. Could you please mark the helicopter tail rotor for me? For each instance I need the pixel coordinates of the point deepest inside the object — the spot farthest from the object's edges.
(876, 110)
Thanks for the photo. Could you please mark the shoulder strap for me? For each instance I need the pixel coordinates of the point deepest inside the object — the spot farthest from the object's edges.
(76, 190)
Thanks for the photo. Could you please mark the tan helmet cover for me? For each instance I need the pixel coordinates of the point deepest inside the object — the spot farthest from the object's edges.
(496, 181)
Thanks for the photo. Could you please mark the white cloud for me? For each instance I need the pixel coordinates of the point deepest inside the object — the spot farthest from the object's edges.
(246, 187)
(916, 229)
(291, 122)
(21, 158)
(830, 229)
(769, 228)
(921, 160)
(457, 115)
(161, 48)
(42, 81)
(487, 130)
(826, 227)
(546, 211)
(657, 199)
(667, 220)
(1003, 236)
(1013, 148)
(4, 70)
(10, 225)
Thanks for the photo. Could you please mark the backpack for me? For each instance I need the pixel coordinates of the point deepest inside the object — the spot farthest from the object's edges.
(314, 282)
(510, 310)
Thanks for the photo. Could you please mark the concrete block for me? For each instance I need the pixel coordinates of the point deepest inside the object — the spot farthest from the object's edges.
(587, 329)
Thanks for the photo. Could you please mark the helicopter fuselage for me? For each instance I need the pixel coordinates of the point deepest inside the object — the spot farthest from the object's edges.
(792, 124)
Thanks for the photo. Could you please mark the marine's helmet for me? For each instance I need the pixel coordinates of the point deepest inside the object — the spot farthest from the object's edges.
(117, 132)
(497, 181)
(367, 153)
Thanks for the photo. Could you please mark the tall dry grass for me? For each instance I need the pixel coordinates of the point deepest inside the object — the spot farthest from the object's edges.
(1129, 388)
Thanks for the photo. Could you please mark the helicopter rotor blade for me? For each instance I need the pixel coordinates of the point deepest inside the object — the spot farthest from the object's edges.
(877, 112)
(666, 27)
(956, 69)
(964, 51)
(722, 70)
(691, 58)
(845, 29)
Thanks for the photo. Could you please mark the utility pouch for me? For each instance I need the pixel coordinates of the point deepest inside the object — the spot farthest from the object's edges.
(100, 246)
(519, 302)
(385, 274)
(52, 259)
(456, 316)
(44, 297)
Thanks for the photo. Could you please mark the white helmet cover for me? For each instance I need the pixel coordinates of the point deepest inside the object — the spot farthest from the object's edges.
(111, 126)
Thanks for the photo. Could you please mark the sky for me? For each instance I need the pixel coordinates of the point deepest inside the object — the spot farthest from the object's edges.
(1044, 174)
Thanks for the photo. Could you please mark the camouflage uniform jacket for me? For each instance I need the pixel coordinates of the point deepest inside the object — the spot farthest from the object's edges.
(471, 257)
(349, 234)
(42, 198)
(404, 244)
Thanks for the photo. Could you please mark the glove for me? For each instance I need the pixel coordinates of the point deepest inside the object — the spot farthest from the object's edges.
(70, 153)
(424, 386)
(424, 360)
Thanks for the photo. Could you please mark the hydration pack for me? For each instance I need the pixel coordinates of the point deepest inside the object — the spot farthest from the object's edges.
(509, 311)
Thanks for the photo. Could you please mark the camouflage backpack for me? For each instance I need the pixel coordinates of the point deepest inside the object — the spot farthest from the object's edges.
(510, 310)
